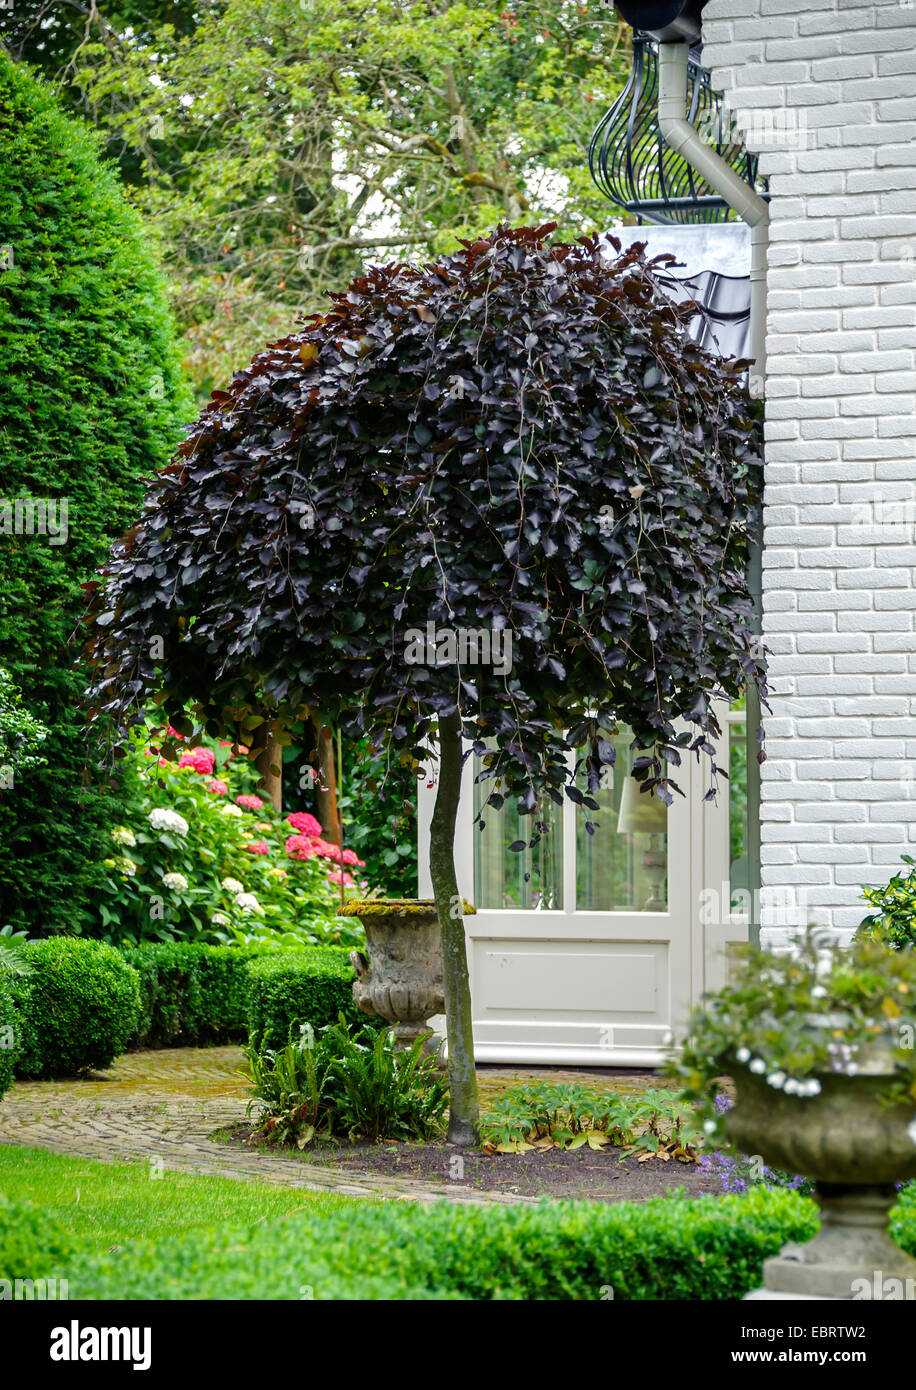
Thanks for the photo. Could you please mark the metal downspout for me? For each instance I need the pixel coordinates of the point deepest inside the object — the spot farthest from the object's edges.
(686, 141)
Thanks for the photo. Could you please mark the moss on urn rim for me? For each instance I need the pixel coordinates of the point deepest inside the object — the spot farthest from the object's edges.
(404, 907)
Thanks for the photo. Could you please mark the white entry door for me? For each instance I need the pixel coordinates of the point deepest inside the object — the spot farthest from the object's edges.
(591, 949)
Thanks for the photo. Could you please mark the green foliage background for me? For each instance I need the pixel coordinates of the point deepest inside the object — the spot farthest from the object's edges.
(93, 396)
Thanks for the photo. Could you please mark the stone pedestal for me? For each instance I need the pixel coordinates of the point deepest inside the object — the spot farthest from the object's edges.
(401, 980)
(851, 1255)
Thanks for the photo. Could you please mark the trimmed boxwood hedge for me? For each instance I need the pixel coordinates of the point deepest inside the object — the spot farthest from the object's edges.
(711, 1248)
(191, 995)
(312, 986)
(9, 1038)
(79, 1005)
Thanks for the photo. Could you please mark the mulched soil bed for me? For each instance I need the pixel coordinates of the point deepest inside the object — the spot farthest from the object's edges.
(598, 1176)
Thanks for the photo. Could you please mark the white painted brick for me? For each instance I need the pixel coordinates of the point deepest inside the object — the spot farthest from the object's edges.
(839, 596)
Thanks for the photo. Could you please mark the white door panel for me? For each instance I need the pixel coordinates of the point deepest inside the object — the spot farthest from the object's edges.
(582, 986)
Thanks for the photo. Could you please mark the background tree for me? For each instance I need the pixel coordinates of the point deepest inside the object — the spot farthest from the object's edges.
(91, 401)
(519, 441)
(277, 145)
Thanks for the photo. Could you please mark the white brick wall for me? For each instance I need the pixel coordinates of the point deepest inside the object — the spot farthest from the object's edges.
(827, 95)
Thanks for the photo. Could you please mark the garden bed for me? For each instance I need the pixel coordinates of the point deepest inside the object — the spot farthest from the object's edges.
(599, 1176)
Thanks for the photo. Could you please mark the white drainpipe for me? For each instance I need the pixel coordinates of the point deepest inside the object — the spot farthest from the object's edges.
(689, 144)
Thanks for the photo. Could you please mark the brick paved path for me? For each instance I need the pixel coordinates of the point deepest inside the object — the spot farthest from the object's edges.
(163, 1107)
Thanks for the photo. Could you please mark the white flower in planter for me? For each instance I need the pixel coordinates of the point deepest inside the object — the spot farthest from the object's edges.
(176, 882)
(162, 819)
(758, 1066)
(232, 885)
(743, 1054)
(776, 1079)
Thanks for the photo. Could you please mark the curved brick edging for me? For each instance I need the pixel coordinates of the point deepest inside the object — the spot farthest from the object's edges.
(161, 1107)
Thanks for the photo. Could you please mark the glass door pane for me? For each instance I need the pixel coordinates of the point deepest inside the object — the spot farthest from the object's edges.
(737, 817)
(623, 865)
(528, 879)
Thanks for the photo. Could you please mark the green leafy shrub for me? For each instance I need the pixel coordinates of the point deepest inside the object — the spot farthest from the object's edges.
(570, 1115)
(91, 405)
(313, 986)
(201, 856)
(709, 1249)
(34, 1243)
(191, 994)
(9, 1037)
(801, 1016)
(894, 922)
(378, 804)
(79, 1005)
(21, 734)
(348, 1081)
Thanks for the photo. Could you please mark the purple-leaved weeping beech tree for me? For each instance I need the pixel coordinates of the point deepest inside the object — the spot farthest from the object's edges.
(520, 442)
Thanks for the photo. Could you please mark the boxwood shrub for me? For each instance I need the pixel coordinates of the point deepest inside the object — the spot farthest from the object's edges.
(190, 994)
(710, 1248)
(312, 986)
(9, 1038)
(79, 1005)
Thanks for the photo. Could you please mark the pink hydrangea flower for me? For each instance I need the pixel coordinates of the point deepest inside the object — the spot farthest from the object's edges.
(199, 759)
(217, 787)
(250, 802)
(335, 877)
(304, 823)
(299, 847)
(350, 857)
(326, 849)
(257, 847)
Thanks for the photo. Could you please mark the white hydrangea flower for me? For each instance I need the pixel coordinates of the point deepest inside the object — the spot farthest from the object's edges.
(248, 902)
(123, 835)
(743, 1054)
(126, 866)
(758, 1066)
(232, 885)
(163, 819)
(229, 810)
(176, 882)
(219, 919)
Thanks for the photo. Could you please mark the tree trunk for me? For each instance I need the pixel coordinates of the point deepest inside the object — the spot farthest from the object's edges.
(326, 789)
(462, 1077)
(269, 762)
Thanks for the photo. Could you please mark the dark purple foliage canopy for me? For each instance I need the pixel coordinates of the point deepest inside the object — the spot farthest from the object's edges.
(519, 439)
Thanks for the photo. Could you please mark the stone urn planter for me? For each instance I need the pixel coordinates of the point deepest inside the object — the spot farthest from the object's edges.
(856, 1148)
(401, 980)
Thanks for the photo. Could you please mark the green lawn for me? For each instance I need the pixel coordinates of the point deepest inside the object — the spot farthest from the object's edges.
(106, 1204)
